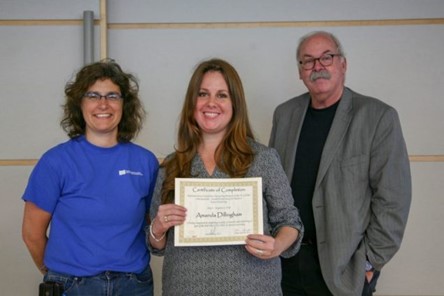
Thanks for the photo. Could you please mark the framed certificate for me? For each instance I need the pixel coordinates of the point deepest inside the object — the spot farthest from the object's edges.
(219, 211)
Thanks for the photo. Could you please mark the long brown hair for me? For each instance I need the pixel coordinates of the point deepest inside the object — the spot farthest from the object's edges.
(233, 155)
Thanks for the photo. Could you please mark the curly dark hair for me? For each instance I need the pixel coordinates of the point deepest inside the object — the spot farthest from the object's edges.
(133, 113)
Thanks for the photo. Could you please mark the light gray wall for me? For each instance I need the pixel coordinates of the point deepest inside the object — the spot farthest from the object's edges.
(399, 63)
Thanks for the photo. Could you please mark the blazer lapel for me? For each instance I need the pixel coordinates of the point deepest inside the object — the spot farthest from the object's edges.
(337, 132)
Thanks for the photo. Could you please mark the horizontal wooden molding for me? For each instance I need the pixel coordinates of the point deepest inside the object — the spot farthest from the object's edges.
(279, 24)
(228, 25)
(31, 162)
(18, 162)
(59, 22)
(426, 158)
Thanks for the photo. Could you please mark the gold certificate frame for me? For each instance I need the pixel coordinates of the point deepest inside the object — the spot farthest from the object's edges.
(219, 211)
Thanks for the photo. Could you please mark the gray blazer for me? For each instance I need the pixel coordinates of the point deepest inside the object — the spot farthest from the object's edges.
(362, 194)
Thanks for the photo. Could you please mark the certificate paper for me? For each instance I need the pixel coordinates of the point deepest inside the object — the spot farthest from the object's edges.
(219, 211)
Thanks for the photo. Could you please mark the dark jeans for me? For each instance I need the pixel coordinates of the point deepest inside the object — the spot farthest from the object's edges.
(108, 283)
(301, 275)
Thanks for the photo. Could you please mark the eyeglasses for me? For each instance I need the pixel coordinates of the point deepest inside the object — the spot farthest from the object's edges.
(95, 96)
(325, 60)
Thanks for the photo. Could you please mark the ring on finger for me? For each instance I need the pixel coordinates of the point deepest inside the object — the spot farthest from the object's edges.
(259, 252)
(165, 218)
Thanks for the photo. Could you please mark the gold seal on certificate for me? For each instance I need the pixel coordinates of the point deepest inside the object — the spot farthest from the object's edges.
(219, 211)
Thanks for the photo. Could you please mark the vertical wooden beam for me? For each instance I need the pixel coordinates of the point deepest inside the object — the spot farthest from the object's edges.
(103, 30)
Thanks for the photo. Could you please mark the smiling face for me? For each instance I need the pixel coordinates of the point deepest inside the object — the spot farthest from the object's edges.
(102, 117)
(214, 109)
(325, 83)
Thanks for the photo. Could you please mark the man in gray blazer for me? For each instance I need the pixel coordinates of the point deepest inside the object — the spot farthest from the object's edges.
(346, 159)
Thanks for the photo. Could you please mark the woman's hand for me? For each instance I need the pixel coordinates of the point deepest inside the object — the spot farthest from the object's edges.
(261, 246)
(168, 215)
(267, 247)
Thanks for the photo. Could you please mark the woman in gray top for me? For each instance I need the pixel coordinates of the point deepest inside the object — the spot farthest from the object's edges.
(215, 141)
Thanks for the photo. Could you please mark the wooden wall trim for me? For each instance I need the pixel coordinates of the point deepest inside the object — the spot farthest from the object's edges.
(18, 162)
(58, 22)
(283, 24)
(103, 30)
(218, 25)
(426, 158)
(31, 162)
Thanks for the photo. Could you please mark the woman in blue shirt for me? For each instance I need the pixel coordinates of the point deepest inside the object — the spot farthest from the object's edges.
(94, 190)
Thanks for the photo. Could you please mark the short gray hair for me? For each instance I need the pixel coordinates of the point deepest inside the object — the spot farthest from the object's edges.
(328, 34)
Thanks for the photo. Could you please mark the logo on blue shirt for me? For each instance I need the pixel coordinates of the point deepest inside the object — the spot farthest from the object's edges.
(128, 172)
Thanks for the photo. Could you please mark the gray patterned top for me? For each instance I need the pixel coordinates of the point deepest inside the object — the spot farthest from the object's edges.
(231, 270)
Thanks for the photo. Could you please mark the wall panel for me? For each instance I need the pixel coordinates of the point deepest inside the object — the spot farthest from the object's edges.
(393, 49)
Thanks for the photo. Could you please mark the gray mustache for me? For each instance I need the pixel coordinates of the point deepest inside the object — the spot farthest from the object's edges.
(320, 74)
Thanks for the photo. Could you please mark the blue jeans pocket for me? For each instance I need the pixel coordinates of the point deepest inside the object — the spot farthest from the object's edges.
(145, 277)
(67, 281)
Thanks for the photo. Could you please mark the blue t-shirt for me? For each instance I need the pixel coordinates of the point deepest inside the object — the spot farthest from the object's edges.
(98, 198)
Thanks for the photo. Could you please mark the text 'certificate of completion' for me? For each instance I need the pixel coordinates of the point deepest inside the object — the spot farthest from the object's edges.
(219, 211)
